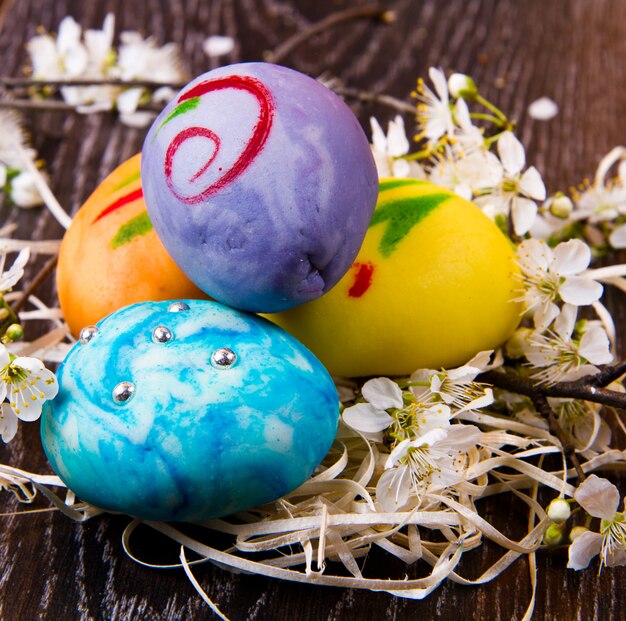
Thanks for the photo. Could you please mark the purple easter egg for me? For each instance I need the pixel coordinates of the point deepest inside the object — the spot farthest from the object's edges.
(261, 184)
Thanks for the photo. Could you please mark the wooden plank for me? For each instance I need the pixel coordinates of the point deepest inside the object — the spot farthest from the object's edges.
(572, 51)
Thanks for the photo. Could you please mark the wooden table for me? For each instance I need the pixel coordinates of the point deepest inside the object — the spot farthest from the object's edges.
(572, 51)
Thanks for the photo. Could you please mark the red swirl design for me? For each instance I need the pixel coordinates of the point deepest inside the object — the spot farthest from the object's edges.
(260, 133)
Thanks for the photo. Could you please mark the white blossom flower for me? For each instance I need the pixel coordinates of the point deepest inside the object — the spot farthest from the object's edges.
(581, 421)
(8, 422)
(26, 383)
(432, 461)
(142, 59)
(560, 357)
(516, 192)
(433, 112)
(388, 150)
(11, 277)
(74, 55)
(455, 387)
(381, 394)
(600, 499)
(551, 276)
(385, 407)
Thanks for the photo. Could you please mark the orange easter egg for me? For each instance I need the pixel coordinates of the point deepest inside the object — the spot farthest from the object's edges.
(111, 256)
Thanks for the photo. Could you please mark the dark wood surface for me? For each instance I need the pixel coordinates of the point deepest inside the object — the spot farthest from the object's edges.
(573, 51)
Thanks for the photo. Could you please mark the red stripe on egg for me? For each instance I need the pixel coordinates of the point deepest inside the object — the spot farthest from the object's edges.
(362, 279)
(120, 202)
(252, 148)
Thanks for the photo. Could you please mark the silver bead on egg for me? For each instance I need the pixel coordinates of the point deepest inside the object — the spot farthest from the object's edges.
(161, 334)
(223, 358)
(177, 307)
(123, 392)
(86, 334)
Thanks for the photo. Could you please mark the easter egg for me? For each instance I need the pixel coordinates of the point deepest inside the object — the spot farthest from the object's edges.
(111, 256)
(260, 182)
(433, 284)
(188, 411)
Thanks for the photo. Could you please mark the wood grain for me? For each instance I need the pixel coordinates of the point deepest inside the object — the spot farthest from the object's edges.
(572, 51)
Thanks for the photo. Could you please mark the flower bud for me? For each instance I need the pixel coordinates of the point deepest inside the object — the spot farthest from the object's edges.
(462, 85)
(561, 206)
(559, 510)
(14, 332)
(553, 535)
(576, 532)
(516, 346)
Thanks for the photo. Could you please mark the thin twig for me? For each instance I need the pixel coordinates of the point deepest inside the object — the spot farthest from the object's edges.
(31, 82)
(607, 375)
(34, 284)
(334, 19)
(369, 97)
(568, 390)
(61, 106)
(543, 407)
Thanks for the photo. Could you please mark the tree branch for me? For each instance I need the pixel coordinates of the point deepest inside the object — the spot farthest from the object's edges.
(579, 389)
(334, 19)
(34, 284)
(543, 407)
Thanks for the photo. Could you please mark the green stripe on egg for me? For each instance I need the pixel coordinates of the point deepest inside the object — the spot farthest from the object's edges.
(391, 184)
(139, 225)
(401, 215)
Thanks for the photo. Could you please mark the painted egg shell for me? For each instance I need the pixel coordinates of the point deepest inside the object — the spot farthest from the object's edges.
(188, 415)
(260, 182)
(434, 284)
(111, 256)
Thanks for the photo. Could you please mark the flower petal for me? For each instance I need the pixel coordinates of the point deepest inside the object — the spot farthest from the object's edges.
(583, 549)
(459, 438)
(397, 142)
(511, 153)
(379, 141)
(8, 423)
(440, 83)
(393, 488)
(595, 347)
(382, 393)
(524, 213)
(571, 257)
(532, 184)
(598, 497)
(617, 239)
(534, 255)
(566, 321)
(480, 402)
(580, 291)
(364, 417)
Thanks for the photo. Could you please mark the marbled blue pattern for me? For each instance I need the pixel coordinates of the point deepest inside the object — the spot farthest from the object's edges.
(194, 442)
(289, 226)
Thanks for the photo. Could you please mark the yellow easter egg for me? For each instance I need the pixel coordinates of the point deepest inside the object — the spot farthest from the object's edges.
(434, 284)
(111, 256)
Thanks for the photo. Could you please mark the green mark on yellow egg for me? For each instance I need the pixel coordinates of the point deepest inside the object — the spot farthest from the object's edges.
(186, 106)
(127, 181)
(401, 216)
(139, 225)
(392, 184)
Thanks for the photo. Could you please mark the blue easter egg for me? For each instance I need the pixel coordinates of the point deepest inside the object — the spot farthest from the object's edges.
(188, 411)
(261, 184)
